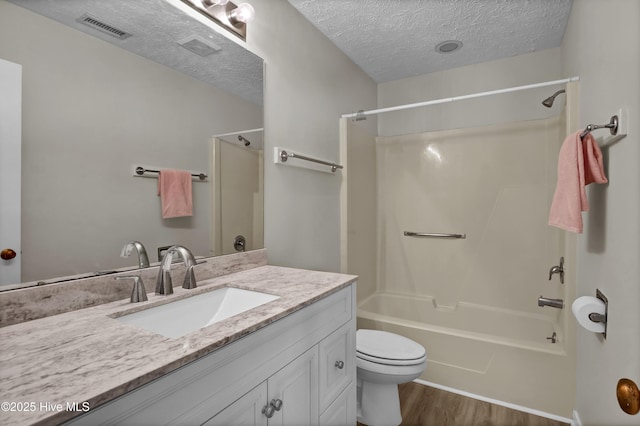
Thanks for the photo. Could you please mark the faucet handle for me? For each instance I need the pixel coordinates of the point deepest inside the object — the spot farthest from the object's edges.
(138, 292)
(189, 279)
(559, 269)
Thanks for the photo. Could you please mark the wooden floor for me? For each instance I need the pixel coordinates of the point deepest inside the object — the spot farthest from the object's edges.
(426, 406)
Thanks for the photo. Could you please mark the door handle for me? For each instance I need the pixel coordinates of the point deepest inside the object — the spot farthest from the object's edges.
(7, 254)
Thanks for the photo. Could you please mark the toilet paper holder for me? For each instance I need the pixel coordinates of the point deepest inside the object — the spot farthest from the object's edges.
(601, 318)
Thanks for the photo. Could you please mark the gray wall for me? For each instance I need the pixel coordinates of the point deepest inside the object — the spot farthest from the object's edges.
(309, 83)
(602, 45)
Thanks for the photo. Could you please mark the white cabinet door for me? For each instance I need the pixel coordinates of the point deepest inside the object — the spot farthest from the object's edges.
(296, 385)
(246, 411)
(342, 411)
(292, 392)
(337, 364)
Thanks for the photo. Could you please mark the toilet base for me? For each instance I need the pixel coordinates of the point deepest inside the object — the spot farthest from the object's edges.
(378, 404)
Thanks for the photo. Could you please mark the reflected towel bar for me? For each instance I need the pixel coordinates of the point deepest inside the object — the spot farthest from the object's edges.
(433, 235)
(140, 171)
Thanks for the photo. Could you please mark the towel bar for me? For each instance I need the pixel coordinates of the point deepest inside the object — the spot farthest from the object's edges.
(140, 171)
(433, 235)
(612, 125)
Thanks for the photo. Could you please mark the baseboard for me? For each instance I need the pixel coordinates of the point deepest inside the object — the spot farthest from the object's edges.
(505, 404)
(576, 419)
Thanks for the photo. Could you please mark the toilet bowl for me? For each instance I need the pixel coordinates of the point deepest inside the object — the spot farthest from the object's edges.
(383, 361)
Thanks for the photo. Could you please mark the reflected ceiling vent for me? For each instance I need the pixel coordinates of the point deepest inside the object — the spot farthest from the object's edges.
(199, 45)
(96, 24)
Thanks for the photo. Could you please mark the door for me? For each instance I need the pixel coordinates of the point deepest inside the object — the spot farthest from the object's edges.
(10, 170)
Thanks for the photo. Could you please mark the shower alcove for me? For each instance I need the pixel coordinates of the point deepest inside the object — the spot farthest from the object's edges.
(472, 302)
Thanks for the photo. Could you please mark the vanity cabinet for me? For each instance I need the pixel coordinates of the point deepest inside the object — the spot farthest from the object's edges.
(299, 370)
(289, 397)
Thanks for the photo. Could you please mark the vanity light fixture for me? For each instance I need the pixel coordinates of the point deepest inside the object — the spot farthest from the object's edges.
(225, 13)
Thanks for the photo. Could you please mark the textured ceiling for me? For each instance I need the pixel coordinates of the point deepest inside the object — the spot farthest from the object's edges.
(157, 27)
(394, 39)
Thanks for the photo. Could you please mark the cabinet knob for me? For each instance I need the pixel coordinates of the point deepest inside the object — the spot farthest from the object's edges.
(268, 411)
(276, 404)
(339, 365)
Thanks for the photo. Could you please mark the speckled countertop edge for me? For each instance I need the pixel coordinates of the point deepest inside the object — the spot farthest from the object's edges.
(86, 355)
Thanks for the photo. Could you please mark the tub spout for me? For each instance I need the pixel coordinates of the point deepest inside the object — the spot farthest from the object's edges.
(553, 303)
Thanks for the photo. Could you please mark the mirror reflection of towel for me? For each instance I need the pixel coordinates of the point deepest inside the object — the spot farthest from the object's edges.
(174, 189)
(579, 164)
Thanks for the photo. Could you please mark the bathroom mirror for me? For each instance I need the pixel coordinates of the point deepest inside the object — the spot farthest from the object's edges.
(108, 86)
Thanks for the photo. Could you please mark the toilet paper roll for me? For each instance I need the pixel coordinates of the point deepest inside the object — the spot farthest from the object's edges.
(585, 305)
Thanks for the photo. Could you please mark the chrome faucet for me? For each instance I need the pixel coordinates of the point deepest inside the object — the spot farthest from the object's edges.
(164, 284)
(143, 259)
(553, 303)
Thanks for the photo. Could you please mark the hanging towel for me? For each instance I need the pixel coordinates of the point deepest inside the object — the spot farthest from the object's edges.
(579, 164)
(174, 189)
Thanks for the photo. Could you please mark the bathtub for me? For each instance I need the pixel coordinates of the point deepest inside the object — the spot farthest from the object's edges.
(493, 353)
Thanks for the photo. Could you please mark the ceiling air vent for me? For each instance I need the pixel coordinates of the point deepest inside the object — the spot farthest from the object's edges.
(97, 24)
(198, 45)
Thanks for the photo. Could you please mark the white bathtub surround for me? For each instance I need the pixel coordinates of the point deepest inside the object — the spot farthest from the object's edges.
(473, 301)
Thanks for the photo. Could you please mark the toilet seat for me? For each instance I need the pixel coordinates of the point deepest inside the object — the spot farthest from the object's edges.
(386, 348)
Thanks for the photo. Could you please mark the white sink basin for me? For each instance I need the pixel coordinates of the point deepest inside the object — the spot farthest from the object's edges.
(183, 316)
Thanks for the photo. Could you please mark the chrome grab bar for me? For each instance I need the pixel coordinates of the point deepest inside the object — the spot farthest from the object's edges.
(284, 156)
(433, 235)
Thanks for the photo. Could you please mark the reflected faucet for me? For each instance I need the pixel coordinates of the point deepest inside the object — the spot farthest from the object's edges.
(553, 303)
(164, 284)
(143, 259)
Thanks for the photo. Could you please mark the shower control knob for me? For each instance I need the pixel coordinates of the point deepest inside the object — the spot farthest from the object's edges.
(240, 243)
(559, 269)
(339, 365)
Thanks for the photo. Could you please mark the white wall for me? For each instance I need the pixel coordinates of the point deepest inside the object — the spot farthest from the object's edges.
(602, 45)
(505, 108)
(309, 83)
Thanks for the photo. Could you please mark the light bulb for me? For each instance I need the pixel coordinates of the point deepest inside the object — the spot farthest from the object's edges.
(243, 13)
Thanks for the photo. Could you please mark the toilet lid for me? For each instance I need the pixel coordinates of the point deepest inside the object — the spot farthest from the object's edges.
(384, 345)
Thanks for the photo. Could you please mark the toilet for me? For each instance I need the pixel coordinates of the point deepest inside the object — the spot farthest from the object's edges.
(383, 361)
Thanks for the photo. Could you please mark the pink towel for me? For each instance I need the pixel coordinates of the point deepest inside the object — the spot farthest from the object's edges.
(579, 164)
(174, 189)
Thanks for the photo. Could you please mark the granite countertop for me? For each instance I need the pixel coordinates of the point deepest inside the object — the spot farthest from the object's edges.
(88, 357)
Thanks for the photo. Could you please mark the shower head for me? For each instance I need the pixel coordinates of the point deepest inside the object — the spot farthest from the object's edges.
(549, 101)
(243, 139)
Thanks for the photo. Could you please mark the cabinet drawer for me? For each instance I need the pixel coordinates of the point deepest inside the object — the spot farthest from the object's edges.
(337, 363)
